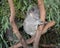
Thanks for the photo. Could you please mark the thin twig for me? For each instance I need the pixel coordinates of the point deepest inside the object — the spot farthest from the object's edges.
(47, 45)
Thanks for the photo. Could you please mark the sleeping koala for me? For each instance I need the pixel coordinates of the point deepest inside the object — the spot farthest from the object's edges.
(32, 20)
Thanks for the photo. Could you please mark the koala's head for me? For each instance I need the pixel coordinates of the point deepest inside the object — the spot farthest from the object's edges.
(33, 10)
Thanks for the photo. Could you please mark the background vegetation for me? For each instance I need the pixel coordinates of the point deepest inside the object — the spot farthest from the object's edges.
(52, 13)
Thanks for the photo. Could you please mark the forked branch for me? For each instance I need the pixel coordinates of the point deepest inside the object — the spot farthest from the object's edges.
(31, 40)
(42, 29)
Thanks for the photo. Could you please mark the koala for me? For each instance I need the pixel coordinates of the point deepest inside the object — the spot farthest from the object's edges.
(32, 20)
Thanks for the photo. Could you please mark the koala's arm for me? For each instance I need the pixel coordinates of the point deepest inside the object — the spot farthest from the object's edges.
(42, 10)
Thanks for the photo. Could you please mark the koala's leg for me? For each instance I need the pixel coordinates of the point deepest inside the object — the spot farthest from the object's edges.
(48, 25)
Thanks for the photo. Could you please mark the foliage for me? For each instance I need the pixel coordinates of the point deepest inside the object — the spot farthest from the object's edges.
(21, 6)
(3, 22)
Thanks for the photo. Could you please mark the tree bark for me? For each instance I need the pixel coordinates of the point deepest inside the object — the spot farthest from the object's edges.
(42, 18)
(42, 28)
(13, 24)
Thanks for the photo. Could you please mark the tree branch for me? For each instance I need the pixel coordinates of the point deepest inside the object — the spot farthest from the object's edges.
(31, 40)
(13, 24)
(41, 30)
(42, 18)
(47, 45)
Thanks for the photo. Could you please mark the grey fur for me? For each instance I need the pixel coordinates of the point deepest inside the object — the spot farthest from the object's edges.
(32, 20)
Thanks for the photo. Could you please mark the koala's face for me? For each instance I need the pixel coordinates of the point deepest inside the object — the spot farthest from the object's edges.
(34, 11)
